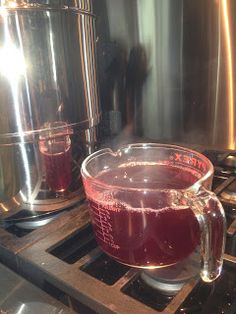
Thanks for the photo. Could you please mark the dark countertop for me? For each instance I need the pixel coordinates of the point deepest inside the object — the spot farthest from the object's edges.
(18, 296)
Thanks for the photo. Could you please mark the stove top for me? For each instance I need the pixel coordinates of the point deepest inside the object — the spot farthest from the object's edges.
(63, 259)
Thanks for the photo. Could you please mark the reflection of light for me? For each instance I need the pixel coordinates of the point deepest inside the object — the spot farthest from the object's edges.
(3, 11)
(13, 67)
(4, 207)
(53, 58)
(9, 4)
(227, 34)
(144, 213)
(52, 51)
(12, 4)
(21, 309)
(23, 196)
(89, 139)
(12, 63)
(85, 55)
(15, 200)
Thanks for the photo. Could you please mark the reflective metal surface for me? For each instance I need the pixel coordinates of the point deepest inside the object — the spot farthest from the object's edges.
(179, 77)
(230, 161)
(23, 183)
(17, 296)
(48, 71)
(47, 74)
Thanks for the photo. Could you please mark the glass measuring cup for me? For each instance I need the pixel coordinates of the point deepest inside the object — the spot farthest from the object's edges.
(55, 148)
(151, 207)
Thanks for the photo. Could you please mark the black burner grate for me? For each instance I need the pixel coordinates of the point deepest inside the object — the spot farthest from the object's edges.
(217, 181)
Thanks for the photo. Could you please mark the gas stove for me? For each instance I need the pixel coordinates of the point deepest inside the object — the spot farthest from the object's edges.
(63, 259)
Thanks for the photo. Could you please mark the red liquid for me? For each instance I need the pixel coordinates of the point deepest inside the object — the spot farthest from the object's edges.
(144, 230)
(58, 170)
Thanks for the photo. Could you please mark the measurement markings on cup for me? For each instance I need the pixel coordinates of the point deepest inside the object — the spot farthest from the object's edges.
(102, 220)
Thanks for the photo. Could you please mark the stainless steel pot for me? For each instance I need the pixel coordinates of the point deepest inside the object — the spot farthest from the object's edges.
(47, 74)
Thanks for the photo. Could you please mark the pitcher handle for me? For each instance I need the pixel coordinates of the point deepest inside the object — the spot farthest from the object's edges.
(211, 218)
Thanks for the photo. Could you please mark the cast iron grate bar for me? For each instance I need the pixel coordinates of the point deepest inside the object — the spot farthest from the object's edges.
(105, 269)
(217, 181)
(76, 246)
(140, 291)
(65, 299)
(230, 247)
(230, 211)
(229, 220)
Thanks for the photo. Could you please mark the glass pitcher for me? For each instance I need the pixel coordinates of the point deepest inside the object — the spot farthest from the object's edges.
(151, 206)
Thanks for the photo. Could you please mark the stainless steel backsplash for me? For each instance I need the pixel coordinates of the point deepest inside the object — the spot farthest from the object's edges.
(167, 69)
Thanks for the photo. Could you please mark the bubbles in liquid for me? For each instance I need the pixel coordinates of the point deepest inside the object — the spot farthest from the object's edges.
(148, 176)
